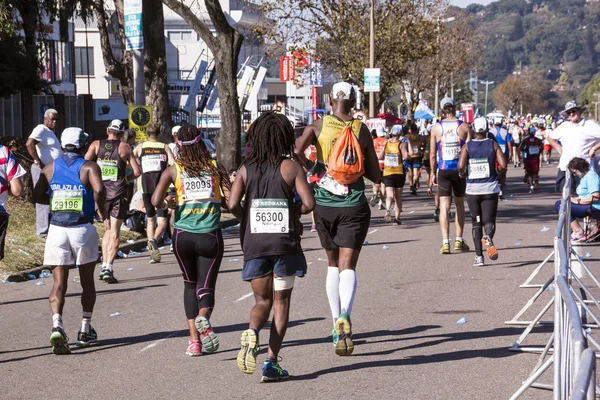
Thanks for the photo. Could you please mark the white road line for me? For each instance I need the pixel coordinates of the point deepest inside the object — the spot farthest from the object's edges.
(151, 345)
(373, 231)
(245, 296)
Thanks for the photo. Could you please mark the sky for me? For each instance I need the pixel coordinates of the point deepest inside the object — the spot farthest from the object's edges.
(464, 3)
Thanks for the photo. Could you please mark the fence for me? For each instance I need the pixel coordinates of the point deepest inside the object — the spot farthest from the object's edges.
(574, 375)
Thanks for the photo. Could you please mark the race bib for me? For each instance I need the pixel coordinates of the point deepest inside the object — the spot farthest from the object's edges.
(269, 216)
(67, 200)
(479, 168)
(450, 151)
(331, 185)
(193, 188)
(534, 150)
(391, 160)
(151, 163)
(502, 147)
(109, 169)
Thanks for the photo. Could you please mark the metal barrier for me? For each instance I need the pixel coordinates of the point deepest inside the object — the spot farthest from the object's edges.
(574, 375)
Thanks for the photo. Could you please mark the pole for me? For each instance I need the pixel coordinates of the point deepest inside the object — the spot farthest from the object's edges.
(452, 85)
(139, 95)
(87, 59)
(372, 57)
(437, 75)
(487, 83)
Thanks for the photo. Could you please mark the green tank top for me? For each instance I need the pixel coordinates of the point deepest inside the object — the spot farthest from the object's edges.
(351, 195)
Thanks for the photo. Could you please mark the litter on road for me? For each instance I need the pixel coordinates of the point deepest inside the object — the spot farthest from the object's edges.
(115, 314)
(462, 321)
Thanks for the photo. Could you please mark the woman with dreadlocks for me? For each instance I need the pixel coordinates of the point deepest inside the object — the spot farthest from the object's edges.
(270, 234)
(198, 241)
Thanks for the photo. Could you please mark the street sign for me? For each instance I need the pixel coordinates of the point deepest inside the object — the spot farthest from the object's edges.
(372, 79)
(139, 119)
(134, 35)
(287, 69)
(468, 110)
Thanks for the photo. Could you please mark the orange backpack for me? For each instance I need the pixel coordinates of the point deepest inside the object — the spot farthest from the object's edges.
(346, 159)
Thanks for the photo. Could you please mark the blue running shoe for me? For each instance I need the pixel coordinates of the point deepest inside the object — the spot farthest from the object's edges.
(271, 372)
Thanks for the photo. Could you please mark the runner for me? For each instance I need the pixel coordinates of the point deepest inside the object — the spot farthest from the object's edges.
(155, 156)
(129, 138)
(43, 147)
(379, 187)
(342, 212)
(531, 147)
(547, 147)
(578, 137)
(425, 147)
(273, 256)
(10, 182)
(478, 160)
(113, 155)
(198, 243)
(448, 137)
(70, 185)
(515, 132)
(415, 157)
(393, 153)
(505, 141)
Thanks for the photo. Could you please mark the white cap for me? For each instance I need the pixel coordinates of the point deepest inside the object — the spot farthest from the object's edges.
(175, 130)
(381, 131)
(497, 120)
(343, 91)
(73, 137)
(397, 130)
(116, 125)
(445, 101)
(480, 125)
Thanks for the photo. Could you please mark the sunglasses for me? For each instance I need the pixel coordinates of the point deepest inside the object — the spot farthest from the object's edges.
(572, 112)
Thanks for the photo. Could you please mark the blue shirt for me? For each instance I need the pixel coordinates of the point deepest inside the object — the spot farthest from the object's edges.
(589, 184)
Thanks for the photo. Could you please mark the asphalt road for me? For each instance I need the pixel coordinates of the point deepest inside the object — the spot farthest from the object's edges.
(408, 344)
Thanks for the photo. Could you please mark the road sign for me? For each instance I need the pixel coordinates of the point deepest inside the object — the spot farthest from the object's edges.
(287, 69)
(139, 119)
(134, 35)
(468, 111)
(372, 79)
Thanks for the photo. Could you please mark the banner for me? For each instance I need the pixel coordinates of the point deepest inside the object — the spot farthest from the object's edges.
(134, 35)
(375, 123)
(372, 79)
(212, 101)
(139, 119)
(207, 90)
(191, 100)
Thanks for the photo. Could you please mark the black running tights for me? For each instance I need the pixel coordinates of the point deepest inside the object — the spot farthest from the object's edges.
(483, 208)
(199, 256)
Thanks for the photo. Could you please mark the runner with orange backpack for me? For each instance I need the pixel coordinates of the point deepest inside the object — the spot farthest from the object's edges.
(345, 153)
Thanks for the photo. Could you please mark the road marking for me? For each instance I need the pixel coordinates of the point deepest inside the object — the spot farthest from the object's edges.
(245, 296)
(151, 345)
(373, 231)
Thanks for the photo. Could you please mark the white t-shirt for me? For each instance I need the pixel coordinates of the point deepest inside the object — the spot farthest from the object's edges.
(9, 170)
(48, 148)
(576, 140)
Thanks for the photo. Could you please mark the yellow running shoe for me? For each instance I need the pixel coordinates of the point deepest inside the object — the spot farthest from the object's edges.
(343, 328)
(445, 248)
(246, 359)
(460, 246)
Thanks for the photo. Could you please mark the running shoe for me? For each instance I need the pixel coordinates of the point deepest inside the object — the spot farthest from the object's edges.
(388, 217)
(445, 248)
(531, 189)
(101, 274)
(501, 196)
(194, 348)
(396, 221)
(109, 277)
(246, 359)
(381, 207)
(343, 328)
(209, 339)
(491, 249)
(85, 339)
(59, 342)
(460, 245)
(413, 190)
(478, 261)
(335, 337)
(525, 179)
(313, 228)
(537, 186)
(154, 252)
(171, 249)
(271, 372)
(373, 200)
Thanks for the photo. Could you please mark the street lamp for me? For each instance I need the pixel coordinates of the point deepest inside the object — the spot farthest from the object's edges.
(372, 57)
(486, 83)
(437, 56)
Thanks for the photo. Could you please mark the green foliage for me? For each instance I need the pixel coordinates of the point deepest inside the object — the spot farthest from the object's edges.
(586, 97)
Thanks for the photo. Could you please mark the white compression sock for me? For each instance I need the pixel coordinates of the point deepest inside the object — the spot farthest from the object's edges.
(332, 285)
(86, 322)
(347, 289)
(57, 321)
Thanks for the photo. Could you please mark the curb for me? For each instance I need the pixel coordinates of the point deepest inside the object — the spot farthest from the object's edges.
(21, 276)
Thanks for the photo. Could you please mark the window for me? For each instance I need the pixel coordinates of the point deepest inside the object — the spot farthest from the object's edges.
(178, 36)
(84, 61)
(186, 74)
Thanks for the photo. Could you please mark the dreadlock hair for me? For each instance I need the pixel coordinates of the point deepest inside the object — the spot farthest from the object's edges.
(272, 139)
(195, 159)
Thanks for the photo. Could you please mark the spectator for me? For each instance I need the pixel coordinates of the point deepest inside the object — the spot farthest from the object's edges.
(10, 182)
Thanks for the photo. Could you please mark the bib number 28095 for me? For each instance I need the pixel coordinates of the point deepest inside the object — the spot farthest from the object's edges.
(269, 216)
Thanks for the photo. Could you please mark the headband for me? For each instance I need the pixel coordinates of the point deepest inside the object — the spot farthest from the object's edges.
(197, 139)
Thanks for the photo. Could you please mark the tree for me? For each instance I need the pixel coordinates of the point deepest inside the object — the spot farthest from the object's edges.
(225, 45)
(527, 90)
(403, 32)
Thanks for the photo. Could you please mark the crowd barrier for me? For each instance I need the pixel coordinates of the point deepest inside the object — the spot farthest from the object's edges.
(574, 364)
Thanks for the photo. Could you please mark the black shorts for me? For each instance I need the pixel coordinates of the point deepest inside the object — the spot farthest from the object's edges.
(116, 208)
(151, 211)
(395, 181)
(448, 182)
(3, 229)
(342, 226)
(415, 162)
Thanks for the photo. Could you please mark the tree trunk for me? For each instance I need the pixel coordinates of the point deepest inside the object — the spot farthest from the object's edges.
(155, 65)
(29, 15)
(228, 141)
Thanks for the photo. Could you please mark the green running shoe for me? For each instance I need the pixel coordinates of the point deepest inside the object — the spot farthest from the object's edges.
(109, 276)
(210, 341)
(343, 328)
(461, 246)
(154, 252)
(335, 337)
(59, 342)
(271, 372)
(445, 248)
(246, 359)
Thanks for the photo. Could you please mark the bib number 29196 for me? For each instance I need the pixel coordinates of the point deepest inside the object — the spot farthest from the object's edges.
(269, 216)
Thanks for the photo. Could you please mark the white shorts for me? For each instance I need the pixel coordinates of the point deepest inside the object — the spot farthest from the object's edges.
(73, 245)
